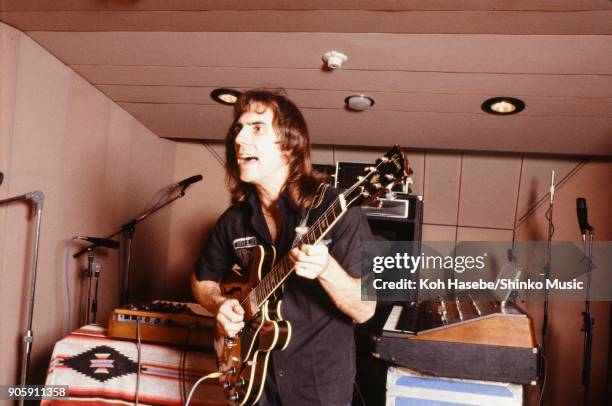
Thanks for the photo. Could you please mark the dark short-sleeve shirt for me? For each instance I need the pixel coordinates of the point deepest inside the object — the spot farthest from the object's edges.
(318, 365)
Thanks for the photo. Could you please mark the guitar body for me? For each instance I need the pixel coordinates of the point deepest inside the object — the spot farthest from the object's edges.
(244, 358)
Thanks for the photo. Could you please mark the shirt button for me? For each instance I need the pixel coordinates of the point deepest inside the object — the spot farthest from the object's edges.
(281, 373)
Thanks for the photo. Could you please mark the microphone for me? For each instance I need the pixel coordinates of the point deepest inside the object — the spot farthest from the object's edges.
(189, 181)
(552, 187)
(100, 242)
(581, 211)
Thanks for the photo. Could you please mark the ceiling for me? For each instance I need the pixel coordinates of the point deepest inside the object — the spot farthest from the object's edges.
(428, 64)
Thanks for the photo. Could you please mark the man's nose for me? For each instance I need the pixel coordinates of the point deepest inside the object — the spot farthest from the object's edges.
(243, 135)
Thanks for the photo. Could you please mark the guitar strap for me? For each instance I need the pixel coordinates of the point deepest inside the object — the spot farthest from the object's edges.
(316, 202)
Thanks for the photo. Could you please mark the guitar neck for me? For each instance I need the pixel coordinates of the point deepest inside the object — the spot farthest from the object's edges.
(388, 169)
(275, 278)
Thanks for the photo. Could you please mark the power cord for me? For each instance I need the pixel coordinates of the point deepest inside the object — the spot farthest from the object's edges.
(359, 393)
(139, 351)
(541, 399)
(212, 375)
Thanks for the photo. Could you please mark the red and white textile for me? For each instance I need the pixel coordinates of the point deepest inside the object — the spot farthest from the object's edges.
(103, 371)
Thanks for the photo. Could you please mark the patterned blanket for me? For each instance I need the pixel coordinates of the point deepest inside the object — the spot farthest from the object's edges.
(102, 371)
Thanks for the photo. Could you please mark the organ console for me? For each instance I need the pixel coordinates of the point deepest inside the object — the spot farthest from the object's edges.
(462, 338)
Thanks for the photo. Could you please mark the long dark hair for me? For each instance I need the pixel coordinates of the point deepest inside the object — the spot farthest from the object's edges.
(302, 182)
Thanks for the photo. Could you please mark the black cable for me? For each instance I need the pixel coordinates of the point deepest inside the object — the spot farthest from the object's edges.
(139, 361)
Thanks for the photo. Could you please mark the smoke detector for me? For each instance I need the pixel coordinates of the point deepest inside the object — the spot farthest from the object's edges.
(334, 59)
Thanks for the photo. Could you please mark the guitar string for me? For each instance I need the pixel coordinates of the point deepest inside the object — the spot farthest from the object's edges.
(269, 287)
(281, 270)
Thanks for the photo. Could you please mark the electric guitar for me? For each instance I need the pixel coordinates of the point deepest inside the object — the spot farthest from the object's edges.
(243, 359)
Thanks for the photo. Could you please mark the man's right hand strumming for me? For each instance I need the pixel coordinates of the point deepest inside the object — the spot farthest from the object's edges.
(230, 317)
(229, 313)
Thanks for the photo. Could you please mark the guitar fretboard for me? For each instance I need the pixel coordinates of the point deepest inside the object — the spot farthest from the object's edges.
(275, 278)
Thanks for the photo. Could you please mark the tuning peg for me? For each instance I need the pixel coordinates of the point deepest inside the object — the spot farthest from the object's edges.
(377, 185)
(369, 168)
(382, 159)
(360, 178)
(365, 193)
(241, 382)
(389, 176)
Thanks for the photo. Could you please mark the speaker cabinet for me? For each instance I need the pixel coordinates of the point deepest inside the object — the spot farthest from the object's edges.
(371, 371)
(398, 228)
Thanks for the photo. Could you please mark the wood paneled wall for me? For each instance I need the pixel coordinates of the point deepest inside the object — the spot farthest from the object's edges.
(97, 166)
(467, 196)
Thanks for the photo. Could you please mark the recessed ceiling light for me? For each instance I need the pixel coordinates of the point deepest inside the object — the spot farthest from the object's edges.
(225, 96)
(359, 102)
(503, 105)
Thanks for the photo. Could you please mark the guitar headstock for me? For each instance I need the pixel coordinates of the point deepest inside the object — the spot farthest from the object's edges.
(389, 169)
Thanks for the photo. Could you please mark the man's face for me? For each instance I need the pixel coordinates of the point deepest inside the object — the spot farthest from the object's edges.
(260, 159)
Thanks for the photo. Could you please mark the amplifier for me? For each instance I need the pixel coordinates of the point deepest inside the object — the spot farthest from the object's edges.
(388, 207)
(187, 324)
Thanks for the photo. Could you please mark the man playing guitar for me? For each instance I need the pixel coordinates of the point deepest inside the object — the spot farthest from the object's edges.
(273, 186)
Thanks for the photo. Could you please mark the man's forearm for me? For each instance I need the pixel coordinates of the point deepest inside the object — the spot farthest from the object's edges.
(345, 292)
(207, 293)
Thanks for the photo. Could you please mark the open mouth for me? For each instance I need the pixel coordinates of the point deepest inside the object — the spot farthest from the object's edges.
(246, 159)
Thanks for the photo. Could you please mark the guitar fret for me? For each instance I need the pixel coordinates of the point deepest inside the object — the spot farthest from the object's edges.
(329, 220)
(322, 220)
(316, 231)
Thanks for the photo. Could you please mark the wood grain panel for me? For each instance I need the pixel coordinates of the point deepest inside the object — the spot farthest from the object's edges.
(388, 101)
(441, 194)
(346, 80)
(432, 232)
(446, 53)
(9, 66)
(483, 234)
(40, 112)
(436, 131)
(511, 331)
(195, 215)
(386, 5)
(322, 154)
(489, 187)
(353, 21)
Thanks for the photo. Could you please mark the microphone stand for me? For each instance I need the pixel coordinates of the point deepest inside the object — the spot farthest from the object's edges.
(128, 229)
(587, 244)
(93, 269)
(38, 198)
(546, 275)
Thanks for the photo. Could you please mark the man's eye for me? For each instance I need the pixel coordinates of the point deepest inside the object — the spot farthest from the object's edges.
(256, 128)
